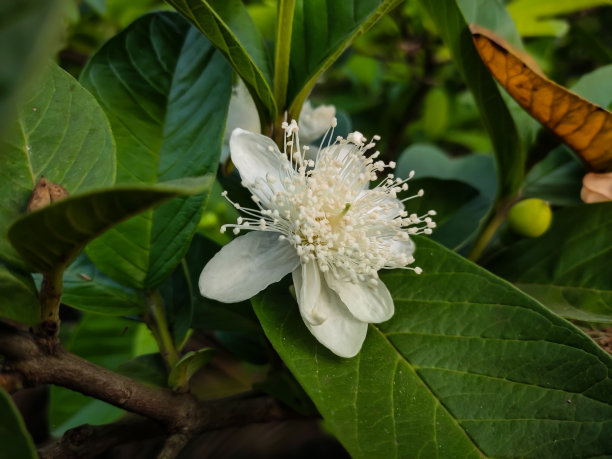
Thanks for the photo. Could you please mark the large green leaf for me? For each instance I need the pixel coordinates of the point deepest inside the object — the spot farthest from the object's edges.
(569, 268)
(165, 90)
(88, 289)
(29, 29)
(496, 117)
(60, 132)
(14, 437)
(227, 24)
(18, 296)
(54, 235)
(469, 366)
(322, 30)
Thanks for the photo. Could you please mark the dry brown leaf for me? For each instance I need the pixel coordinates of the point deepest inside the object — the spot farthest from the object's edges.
(582, 125)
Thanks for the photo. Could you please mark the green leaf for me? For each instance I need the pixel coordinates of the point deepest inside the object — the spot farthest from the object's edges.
(535, 18)
(165, 90)
(88, 289)
(19, 296)
(60, 132)
(461, 199)
(322, 30)
(30, 30)
(468, 366)
(459, 208)
(556, 179)
(495, 115)
(491, 14)
(103, 340)
(54, 235)
(14, 437)
(227, 24)
(569, 268)
(596, 86)
(282, 385)
(176, 293)
(188, 365)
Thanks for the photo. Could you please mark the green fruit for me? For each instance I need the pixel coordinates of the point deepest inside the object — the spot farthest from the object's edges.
(530, 217)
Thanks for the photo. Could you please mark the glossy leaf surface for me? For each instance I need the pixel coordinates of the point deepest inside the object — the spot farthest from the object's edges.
(227, 24)
(468, 366)
(60, 132)
(54, 235)
(88, 289)
(165, 90)
(569, 268)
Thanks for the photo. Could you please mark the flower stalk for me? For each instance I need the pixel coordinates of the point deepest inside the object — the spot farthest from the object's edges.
(50, 297)
(283, 49)
(491, 227)
(155, 317)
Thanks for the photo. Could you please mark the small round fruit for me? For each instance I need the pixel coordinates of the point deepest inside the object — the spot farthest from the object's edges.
(530, 217)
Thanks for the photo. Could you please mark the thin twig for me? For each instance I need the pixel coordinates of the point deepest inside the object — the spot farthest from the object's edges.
(174, 445)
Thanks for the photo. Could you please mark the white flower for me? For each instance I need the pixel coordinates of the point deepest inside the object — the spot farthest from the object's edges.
(242, 113)
(314, 122)
(319, 220)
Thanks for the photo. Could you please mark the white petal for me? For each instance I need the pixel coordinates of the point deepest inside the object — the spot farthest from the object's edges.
(246, 266)
(257, 157)
(314, 122)
(339, 330)
(242, 112)
(384, 206)
(367, 304)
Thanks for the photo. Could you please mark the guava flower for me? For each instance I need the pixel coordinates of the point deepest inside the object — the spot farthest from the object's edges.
(319, 220)
(314, 122)
(242, 113)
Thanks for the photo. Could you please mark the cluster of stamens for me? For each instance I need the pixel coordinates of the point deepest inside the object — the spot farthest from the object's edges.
(325, 208)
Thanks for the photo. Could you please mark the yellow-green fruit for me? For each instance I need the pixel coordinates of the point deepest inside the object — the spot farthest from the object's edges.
(530, 217)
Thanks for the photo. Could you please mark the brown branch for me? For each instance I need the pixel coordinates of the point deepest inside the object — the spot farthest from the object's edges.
(174, 445)
(181, 415)
(91, 441)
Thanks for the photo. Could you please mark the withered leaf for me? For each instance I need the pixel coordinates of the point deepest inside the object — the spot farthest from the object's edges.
(582, 125)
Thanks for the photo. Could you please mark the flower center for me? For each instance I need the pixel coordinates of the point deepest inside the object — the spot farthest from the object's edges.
(327, 211)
